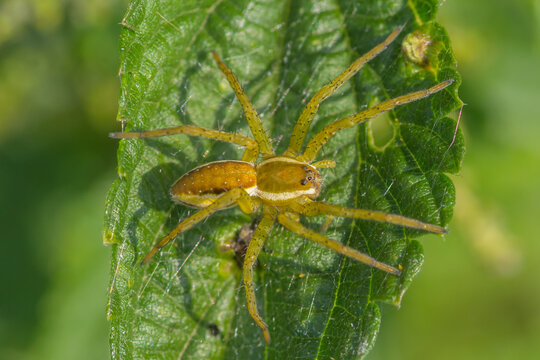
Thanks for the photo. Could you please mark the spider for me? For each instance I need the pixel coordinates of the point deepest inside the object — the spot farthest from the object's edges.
(287, 185)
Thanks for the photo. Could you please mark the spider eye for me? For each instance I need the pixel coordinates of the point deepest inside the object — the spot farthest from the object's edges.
(310, 178)
(303, 182)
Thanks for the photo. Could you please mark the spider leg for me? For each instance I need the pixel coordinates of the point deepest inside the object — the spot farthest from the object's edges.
(327, 223)
(250, 154)
(327, 163)
(318, 141)
(237, 195)
(253, 250)
(297, 228)
(252, 117)
(304, 121)
(312, 208)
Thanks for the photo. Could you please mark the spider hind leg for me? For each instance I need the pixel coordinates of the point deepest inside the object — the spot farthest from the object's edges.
(252, 148)
(235, 196)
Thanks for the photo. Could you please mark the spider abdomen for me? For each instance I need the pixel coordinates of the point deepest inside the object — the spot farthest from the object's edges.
(203, 185)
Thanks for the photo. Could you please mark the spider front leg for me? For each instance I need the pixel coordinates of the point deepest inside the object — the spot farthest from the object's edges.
(319, 140)
(235, 196)
(313, 208)
(293, 225)
(304, 121)
(252, 149)
(252, 253)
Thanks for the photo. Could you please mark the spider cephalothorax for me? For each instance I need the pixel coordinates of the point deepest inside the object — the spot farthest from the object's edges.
(281, 179)
(285, 185)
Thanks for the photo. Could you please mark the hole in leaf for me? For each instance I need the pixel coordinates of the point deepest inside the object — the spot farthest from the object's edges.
(381, 130)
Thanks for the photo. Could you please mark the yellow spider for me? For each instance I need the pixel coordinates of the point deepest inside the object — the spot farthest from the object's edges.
(285, 185)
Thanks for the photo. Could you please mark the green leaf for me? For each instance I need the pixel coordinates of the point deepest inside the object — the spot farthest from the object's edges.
(189, 302)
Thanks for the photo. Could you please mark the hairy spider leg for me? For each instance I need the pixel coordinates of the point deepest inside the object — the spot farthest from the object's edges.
(297, 228)
(236, 196)
(252, 117)
(320, 139)
(250, 154)
(304, 121)
(313, 208)
(254, 248)
(326, 163)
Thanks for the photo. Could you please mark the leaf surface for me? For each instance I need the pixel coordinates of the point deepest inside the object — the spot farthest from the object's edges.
(189, 302)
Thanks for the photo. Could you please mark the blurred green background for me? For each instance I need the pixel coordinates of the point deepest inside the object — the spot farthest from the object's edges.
(477, 297)
(58, 99)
